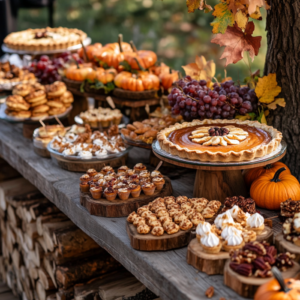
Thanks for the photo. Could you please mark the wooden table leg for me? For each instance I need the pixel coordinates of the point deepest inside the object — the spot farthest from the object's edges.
(217, 185)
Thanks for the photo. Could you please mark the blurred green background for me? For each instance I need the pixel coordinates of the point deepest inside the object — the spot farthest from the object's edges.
(163, 26)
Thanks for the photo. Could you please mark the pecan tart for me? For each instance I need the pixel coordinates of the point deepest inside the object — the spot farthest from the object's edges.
(44, 39)
(219, 140)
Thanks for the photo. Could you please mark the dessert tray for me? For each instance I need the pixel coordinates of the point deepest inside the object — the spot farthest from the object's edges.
(116, 207)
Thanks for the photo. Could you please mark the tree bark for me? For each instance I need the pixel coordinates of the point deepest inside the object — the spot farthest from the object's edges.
(283, 58)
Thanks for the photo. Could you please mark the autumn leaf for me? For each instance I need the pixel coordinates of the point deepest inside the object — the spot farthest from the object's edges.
(256, 15)
(248, 116)
(261, 117)
(253, 5)
(278, 101)
(235, 5)
(236, 42)
(241, 19)
(201, 69)
(224, 18)
(267, 89)
(198, 4)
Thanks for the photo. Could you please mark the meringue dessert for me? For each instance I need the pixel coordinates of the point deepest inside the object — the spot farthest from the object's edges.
(256, 223)
(233, 241)
(202, 229)
(210, 243)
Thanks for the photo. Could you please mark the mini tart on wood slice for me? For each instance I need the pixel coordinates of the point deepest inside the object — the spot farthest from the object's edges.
(211, 250)
(260, 141)
(257, 230)
(228, 248)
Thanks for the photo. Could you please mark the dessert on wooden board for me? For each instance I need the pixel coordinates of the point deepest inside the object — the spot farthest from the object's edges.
(122, 184)
(219, 140)
(81, 142)
(38, 101)
(43, 39)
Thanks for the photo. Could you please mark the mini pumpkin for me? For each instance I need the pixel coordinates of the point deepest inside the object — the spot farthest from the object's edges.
(269, 189)
(102, 75)
(90, 50)
(279, 289)
(137, 82)
(252, 174)
(167, 78)
(78, 72)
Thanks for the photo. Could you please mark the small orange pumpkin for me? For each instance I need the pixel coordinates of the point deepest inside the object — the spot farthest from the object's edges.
(102, 75)
(78, 72)
(252, 174)
(269, 190)
(158, 70)
(167, 78)
(137, 82)
(279, 289)
(90, 49)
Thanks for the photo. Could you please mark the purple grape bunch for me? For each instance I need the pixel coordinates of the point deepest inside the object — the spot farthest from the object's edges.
(194, 100)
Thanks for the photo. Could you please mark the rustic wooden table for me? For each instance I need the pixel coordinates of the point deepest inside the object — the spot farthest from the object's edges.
(166, 273)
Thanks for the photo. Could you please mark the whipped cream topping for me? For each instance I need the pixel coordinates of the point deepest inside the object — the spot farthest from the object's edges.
(98, 142)
(69, 151)
(71, 137)
(296, 222)
(101, 153)
(223, 218)
(234, 239)
(210, 240)
(230, 230)
(155, 173)
(234, 211)
(203, 228)
(85, 154)
(55, 146)
(255, 221)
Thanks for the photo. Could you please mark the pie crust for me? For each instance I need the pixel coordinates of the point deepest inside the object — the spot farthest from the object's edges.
(56, 38)
(230, 156)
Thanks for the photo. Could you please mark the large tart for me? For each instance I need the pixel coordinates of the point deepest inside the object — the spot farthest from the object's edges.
(44, 39)
(219, 140)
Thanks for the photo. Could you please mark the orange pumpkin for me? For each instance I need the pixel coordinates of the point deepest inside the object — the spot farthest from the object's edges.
(279, 289)
(78, 73)
(167, 78)
(90, 49)
(142, 59)
(269, 190)
(158, 70)
(102, 75)
(137, 82)
(252, 174)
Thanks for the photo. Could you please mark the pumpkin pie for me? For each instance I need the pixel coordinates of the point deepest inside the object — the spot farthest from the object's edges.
(219, 140)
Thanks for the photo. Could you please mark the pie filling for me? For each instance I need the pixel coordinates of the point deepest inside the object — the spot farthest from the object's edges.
(220, 137)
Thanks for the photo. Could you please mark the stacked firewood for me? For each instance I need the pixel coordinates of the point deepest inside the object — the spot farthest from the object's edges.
(45, 256)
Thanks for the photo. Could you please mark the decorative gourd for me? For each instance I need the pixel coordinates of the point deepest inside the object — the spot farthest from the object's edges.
(78, 72)
(112, 54)
(269, 190)
(253, 174)
(167, 78)
(102, 75)
(90, 50)
(137, 82)
(158, 70)
(279, 289)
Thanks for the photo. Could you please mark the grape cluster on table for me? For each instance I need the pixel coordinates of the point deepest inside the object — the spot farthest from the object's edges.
(194, 100)
(46, 68)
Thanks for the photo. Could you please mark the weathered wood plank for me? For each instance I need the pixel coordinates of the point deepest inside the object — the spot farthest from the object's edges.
(167, 274)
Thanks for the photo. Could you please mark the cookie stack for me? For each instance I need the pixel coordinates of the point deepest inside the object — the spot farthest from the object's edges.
(38, 101)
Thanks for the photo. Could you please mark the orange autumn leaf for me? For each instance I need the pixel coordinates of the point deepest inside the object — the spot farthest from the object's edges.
(253, 5)
(237, 5)
(278, 101)
(224, 18)
(236, 42)
(197, 4)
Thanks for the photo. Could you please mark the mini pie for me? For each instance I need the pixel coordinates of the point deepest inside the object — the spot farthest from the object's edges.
(219, 140)
(44, 39)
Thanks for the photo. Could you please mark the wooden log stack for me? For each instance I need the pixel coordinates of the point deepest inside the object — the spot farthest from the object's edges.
(45, 256)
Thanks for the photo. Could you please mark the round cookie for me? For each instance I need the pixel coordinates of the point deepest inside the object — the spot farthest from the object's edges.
(67, 98)
(40, 115)
(44, 101)
(40, 109)
(17, 103)
(56, 111)
(18, 114)
(22, 90)
(55, 89)
(37, 86)
(36, 96)
(55, 103)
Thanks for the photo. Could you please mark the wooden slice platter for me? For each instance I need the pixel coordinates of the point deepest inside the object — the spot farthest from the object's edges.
(247, 286)
(267, 235)
(149, 242)
(282, 245)
(121, 208)
(211, 264)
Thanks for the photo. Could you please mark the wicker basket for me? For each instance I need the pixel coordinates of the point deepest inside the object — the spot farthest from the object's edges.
(130, 95)
(73, 84)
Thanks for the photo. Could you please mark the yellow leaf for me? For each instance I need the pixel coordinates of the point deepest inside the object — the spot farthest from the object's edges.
(256, 15)
(243, 118)
(267, 88)
(263, 120)
(197, 4)
(241, 19)
(201, 69)
(224, 18)
(266, 112)
(278, 101)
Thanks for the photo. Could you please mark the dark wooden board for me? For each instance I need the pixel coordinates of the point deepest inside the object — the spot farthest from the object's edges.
(247, 286)
(148, 242)
(267, 235)
(121, 208)
(211, 264)
(282, 245)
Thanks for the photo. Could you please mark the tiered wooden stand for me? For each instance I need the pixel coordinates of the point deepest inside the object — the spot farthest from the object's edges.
(121, 208)
(247, 286)
(282, 245)
(216, 181)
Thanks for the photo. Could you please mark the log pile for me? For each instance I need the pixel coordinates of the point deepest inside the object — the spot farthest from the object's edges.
(45, 256)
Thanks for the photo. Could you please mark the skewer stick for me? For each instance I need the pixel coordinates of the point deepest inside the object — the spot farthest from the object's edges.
(58, 121)
(159, 165)
(42, 123)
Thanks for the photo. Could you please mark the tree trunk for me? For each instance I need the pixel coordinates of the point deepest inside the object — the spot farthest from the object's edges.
(283, 26)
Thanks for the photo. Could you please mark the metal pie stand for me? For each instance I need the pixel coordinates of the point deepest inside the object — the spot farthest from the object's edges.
(217, 180)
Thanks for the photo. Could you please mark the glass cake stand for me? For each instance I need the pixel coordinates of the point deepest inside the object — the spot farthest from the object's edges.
(218, 180)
